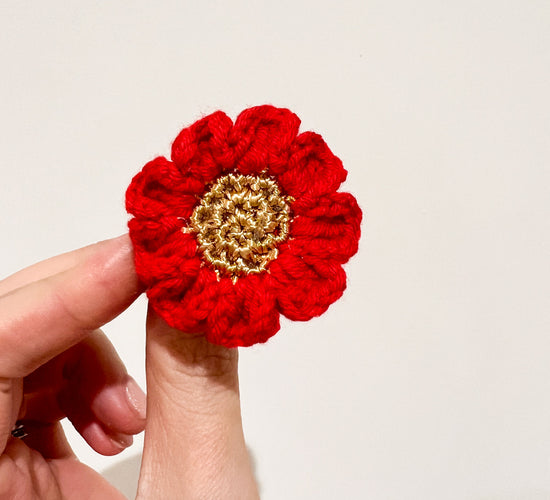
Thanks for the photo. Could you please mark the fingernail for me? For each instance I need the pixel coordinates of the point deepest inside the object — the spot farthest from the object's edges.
(124, 440)
(123, 242)
(136, 398)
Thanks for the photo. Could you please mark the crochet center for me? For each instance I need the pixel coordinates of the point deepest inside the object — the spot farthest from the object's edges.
(240, 222)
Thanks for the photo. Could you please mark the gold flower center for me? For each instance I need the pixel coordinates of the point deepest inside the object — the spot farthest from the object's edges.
(240, 222)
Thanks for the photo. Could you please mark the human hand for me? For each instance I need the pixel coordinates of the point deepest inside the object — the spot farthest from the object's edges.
(55, 363)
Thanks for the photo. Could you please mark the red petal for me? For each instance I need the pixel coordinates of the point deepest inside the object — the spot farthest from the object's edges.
(149, 235)
(245, 312)
(307, 285)
(330, 229)
(188, 311)
(202, 149)
(262, 137)
(174, 259)
(313, 169)
(161, 190)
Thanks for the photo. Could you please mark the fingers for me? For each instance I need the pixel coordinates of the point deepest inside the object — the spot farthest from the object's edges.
(27, 472)
(24, 473)
(194, 443)
(102, 382)
(102, 401)
(90, 385)
(44, 318)
(48, 439)
(11, 393)
(49, 267)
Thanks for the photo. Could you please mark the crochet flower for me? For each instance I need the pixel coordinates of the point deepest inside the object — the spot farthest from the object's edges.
(244, 223)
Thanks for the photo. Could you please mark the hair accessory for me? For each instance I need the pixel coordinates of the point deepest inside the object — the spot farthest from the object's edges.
(244, 223)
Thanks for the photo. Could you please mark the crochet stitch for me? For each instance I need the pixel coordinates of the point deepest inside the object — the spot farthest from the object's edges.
(243, 224)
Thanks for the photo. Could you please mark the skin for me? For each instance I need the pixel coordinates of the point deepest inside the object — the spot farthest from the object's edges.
(55, 362)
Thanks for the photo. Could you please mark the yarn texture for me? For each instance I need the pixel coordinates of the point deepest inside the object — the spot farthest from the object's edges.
(244, 223)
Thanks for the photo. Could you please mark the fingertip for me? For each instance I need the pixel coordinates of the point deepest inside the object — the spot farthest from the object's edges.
(121, 440)
(101, 287)
(121, 407)
(103, 442)
(136, 398)
(177, 352)
(120, 240)
(63, 262)
(115, 258)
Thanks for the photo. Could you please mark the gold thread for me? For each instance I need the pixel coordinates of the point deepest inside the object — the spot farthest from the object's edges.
(240, 222)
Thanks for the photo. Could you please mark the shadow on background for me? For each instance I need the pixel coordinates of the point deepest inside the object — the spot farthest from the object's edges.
(124, 475)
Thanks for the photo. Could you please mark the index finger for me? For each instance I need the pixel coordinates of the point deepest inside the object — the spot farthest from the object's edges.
(46, 317)
(49, 267)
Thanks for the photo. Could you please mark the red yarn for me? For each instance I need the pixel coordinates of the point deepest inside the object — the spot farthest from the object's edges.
(305, 277)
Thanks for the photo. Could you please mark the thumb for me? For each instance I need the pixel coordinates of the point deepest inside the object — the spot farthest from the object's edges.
(194, 442)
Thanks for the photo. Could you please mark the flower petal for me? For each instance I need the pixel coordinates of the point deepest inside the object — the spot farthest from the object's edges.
(262, 137)
(202, 149)
(306, 286)
(189, 310)
(245, 313)
(149, 235)
(329, 229)
(313, 170)
(161, 190)
(174, 260)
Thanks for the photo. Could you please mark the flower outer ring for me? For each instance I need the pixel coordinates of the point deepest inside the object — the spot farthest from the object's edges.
(234, 289)
(240, 222)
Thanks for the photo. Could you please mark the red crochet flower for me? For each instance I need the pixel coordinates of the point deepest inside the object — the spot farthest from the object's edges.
(243, 224)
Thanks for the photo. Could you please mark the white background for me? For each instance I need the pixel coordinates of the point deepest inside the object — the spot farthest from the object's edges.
(430, 379)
